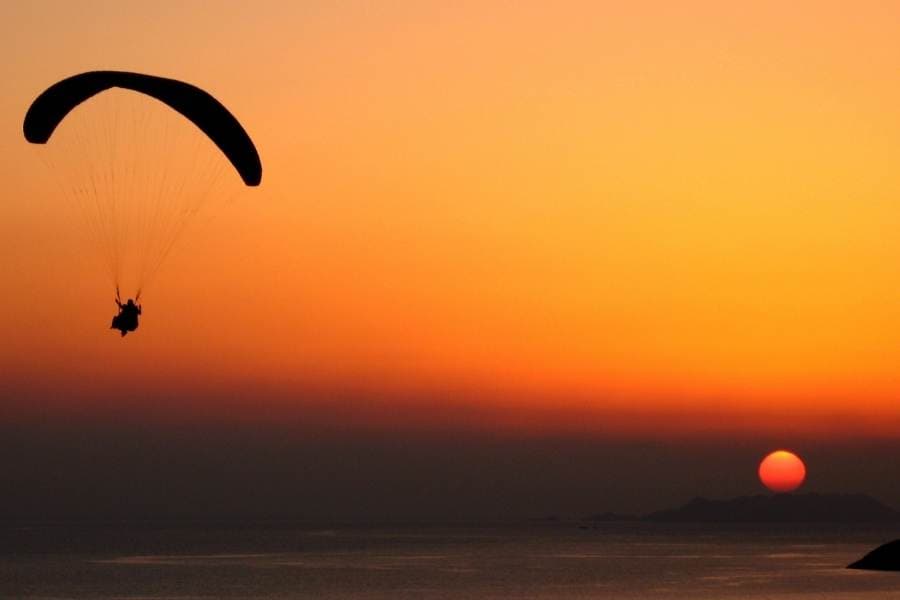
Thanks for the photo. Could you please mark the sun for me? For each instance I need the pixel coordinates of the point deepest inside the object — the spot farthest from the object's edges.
(782, 471)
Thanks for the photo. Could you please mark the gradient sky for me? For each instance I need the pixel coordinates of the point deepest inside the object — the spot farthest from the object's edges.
(637, 245)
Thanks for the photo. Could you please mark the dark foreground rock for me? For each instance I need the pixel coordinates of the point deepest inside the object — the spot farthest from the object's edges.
(782, 508)
(882, 558)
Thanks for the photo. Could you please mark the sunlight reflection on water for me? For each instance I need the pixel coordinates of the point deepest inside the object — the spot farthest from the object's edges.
(537, 562)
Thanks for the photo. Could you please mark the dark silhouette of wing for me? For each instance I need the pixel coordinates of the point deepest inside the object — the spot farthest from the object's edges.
(207, 113)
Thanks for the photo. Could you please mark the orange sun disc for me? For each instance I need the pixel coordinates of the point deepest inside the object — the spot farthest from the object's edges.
(782, 471)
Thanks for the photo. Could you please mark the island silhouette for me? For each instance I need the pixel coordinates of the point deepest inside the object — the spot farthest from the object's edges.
(778, 508)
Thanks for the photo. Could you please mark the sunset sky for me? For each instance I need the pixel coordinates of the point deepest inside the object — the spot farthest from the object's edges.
(602, 234)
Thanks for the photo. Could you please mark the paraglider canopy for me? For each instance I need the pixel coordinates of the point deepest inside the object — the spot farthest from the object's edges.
(138, 157)
(207, 113)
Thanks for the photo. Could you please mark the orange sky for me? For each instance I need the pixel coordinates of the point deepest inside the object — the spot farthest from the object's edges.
(554, 217)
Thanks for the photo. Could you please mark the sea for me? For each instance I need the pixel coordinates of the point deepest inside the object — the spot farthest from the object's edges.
(536, 560)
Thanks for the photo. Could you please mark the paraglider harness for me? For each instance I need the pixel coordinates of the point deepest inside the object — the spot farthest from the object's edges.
(127, 319)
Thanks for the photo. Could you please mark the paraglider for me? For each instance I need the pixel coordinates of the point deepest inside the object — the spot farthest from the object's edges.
(136, 169)
(127, 319)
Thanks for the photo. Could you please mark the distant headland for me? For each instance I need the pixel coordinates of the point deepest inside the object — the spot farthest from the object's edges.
(777, 508)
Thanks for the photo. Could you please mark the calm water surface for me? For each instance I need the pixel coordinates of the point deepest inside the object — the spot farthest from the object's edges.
(553, 560)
